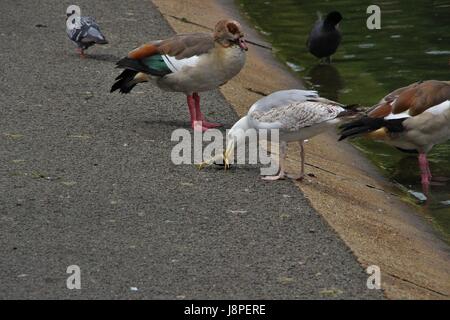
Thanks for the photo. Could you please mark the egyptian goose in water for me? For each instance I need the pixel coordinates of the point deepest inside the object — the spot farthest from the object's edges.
(83, 31)
(187, 63)
(325, 36)
(413, 118)
(297, 114)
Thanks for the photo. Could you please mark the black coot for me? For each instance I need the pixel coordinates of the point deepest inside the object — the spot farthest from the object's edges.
(325, 37)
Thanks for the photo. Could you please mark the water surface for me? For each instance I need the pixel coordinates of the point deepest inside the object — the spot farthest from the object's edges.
(413, 44)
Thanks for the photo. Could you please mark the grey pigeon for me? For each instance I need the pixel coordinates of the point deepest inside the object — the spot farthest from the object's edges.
(83, 31)
(325, 37)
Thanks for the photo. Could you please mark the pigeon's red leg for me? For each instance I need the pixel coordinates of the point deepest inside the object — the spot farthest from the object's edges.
(81, 52)
(200, 116)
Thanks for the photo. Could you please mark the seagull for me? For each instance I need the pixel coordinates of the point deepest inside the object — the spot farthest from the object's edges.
(325, 36)
(412, 118)
(297, 114)
(83, 31)
(187, 63)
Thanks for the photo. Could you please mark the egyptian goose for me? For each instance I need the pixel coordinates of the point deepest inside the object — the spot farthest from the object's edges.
(325, 36)
(187, 63)
(83, 31)
(297, 114)
(413, 118)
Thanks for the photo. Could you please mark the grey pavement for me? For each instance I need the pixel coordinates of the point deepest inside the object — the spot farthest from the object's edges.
(86, 179)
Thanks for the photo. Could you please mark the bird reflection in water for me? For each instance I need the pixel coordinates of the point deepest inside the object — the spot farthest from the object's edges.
(327, 80)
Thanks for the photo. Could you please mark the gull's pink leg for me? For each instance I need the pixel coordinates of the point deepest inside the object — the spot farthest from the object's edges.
(425, 172)
(302, 150)
(200, 116)
(280, 174)
(302, 162)
(196, 125)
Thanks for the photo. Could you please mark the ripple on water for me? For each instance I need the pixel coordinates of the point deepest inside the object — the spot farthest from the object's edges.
(438, 52)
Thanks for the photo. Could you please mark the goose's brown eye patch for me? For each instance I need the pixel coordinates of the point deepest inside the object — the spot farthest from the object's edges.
(232, 28)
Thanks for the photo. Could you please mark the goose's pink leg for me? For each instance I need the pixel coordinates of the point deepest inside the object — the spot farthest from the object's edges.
(200, 116)
(425, 172)
(196, 125)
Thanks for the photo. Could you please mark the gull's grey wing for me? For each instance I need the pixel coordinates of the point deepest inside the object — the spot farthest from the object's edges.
(282, 98)
(296, 115)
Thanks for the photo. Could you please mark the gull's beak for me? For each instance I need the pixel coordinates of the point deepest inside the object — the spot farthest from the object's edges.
(243, 44)
(209, 162)
(225, 156)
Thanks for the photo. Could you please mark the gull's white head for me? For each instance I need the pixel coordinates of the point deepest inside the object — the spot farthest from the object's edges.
(235, 136)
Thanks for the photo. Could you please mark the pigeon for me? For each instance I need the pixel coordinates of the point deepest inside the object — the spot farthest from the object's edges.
(83, 31)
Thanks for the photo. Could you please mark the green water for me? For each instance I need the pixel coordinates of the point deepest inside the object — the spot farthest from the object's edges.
(413, 44)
